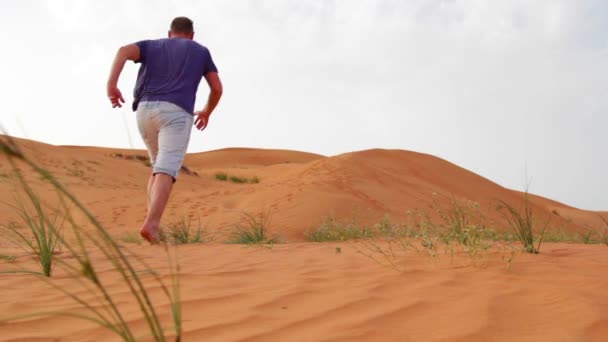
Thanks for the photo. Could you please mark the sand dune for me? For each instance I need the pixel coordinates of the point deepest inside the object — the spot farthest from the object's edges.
(299, 189)
(302, 291)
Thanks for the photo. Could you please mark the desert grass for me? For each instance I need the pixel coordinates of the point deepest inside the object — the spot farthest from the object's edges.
(223, 176)
(523, 224)
(183, 232)
(588, 237)
(42, 238)
(604, 234)
(561, 234)
(332, 230)
(131, 237)
(236, 179)
(254, 230)
(461, 225)
(8, 258)
(78, 264)
(448, 226)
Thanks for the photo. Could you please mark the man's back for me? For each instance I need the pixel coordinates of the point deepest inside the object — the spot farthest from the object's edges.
(171, 71)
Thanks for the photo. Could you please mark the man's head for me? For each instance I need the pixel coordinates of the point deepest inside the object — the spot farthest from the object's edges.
(181, 27)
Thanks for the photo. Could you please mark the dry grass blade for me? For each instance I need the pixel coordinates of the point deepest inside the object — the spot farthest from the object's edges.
(255, 229)
(84, 269)
(605, 233)
(44, 239)
(523, 224)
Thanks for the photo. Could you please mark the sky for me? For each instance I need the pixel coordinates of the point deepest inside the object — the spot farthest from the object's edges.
(511, 90)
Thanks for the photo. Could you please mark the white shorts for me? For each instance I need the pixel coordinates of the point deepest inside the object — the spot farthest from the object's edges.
(165, 129)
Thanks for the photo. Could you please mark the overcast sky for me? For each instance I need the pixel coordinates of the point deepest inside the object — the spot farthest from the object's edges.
(498, 87)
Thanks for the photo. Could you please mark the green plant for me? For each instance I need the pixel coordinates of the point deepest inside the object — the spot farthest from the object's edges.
(43, 239)
(558, 235)
(131, 238)
(383, 251)
(508, 253)
(332, 230)
(604, 234)
(9, 258)
(101, 307)
(463, 223)
(523, 224)
(182, 232)
(254, 230)
(587, 237)
(221, 176)
(239, 180)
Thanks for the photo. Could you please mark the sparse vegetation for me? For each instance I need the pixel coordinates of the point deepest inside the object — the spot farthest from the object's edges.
(332, 230)
(523, 224)
(604, 234)
(145, 160)
(558, 235)
(240, 180)
(99, 304)
(222, 176)
(42, 238)
(8, 258)
(182, 232)
(255, 230)
(455, 226)
(587, 237)
(131, 237)
(463, 223)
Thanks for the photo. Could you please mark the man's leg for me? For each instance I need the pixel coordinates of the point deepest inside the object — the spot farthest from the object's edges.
(149, 190)
(160, 189)
(173, 138)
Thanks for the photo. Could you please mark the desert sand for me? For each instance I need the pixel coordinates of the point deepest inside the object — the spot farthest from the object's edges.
(305, 291)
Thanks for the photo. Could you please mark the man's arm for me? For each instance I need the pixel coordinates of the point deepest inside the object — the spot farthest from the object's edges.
(215, 84)
(127, 52)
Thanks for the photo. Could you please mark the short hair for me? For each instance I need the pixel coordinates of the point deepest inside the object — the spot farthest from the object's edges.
(182, 25)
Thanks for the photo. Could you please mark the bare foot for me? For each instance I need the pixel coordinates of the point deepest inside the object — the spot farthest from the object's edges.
(151, 234)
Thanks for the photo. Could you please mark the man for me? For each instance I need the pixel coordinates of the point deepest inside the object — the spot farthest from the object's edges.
(165, 92)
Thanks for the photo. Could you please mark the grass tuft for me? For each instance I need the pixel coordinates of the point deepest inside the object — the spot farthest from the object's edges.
(523, 224)
(239, 180)
(98, 304)
(254, 230)
(8, 258)
(221, 176)
(182, 232)
(604, 234)
(332, 230)
(43, 238)
(131, 238)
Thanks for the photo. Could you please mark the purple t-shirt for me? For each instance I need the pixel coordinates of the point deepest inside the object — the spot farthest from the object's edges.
(171, 70)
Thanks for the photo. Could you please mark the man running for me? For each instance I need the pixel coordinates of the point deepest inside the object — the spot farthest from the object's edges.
(165, 92)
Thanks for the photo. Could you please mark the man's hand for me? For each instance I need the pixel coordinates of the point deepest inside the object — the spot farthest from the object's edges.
(202, 119)
(128, 52)
(115, 96)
